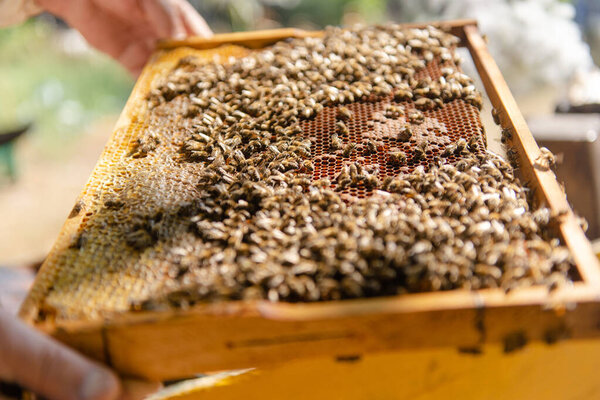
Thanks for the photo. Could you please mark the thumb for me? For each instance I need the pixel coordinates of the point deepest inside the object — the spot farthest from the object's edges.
(48, 368)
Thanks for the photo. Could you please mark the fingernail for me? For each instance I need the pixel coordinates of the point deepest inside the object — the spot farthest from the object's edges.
(99, 385)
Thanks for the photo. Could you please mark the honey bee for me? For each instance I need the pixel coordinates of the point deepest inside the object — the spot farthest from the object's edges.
(307, 165)
(506, 136)
(475, 99)
(393, 112)
(425, 104)
(371, 181)
(472, 144)
(369, 147)
(461, 146)
(513, 157)
(496, 116)
(397, 157)
(336, 142)
(348, 149)
(342, 129)
(419, 152)
(405, 134)
(344, 114)
(139, 239)
(545, 160)
(416, 117)
(449, 150)
(402, 95)
(114, 204)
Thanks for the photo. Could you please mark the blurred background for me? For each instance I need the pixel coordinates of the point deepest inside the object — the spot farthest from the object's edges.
(59, 98)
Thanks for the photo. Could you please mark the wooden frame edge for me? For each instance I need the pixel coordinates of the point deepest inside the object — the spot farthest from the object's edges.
(549, 192)
(258, 39)
(262, 334)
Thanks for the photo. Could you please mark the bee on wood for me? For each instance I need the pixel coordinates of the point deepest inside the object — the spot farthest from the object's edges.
(496, 116)
(545, 161)
(506, 136)
(513, 157)
(77, 208)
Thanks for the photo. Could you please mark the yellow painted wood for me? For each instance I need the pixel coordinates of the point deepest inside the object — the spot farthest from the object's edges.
(563, 371)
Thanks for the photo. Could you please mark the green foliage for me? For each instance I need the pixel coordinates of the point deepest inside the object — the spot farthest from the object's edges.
(319, 12)
(59, 93)
(224, 15)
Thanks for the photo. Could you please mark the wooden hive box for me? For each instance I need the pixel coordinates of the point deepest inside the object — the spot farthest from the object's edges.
(458, 329)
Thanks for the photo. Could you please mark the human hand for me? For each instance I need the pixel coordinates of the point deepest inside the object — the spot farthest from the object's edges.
(128, 30)
(46, 367)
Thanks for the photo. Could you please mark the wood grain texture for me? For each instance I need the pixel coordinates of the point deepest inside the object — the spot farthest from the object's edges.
(160, 346)
(253, 40)
(563, 371)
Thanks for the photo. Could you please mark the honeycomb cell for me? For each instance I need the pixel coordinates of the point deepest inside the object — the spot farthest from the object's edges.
(453, 121)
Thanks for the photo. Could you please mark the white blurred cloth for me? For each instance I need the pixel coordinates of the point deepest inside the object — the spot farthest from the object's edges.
(14, 285)
(16, 11)
(584, 87)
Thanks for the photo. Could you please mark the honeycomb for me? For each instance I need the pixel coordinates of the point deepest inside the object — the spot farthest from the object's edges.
(86, 285)
(442, 127)
(93, 272)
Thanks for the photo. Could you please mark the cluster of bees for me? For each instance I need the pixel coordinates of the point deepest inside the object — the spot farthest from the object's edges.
(438, 229)
(262, 226)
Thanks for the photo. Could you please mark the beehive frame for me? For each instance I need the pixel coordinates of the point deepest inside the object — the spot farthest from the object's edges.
(227, 335)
